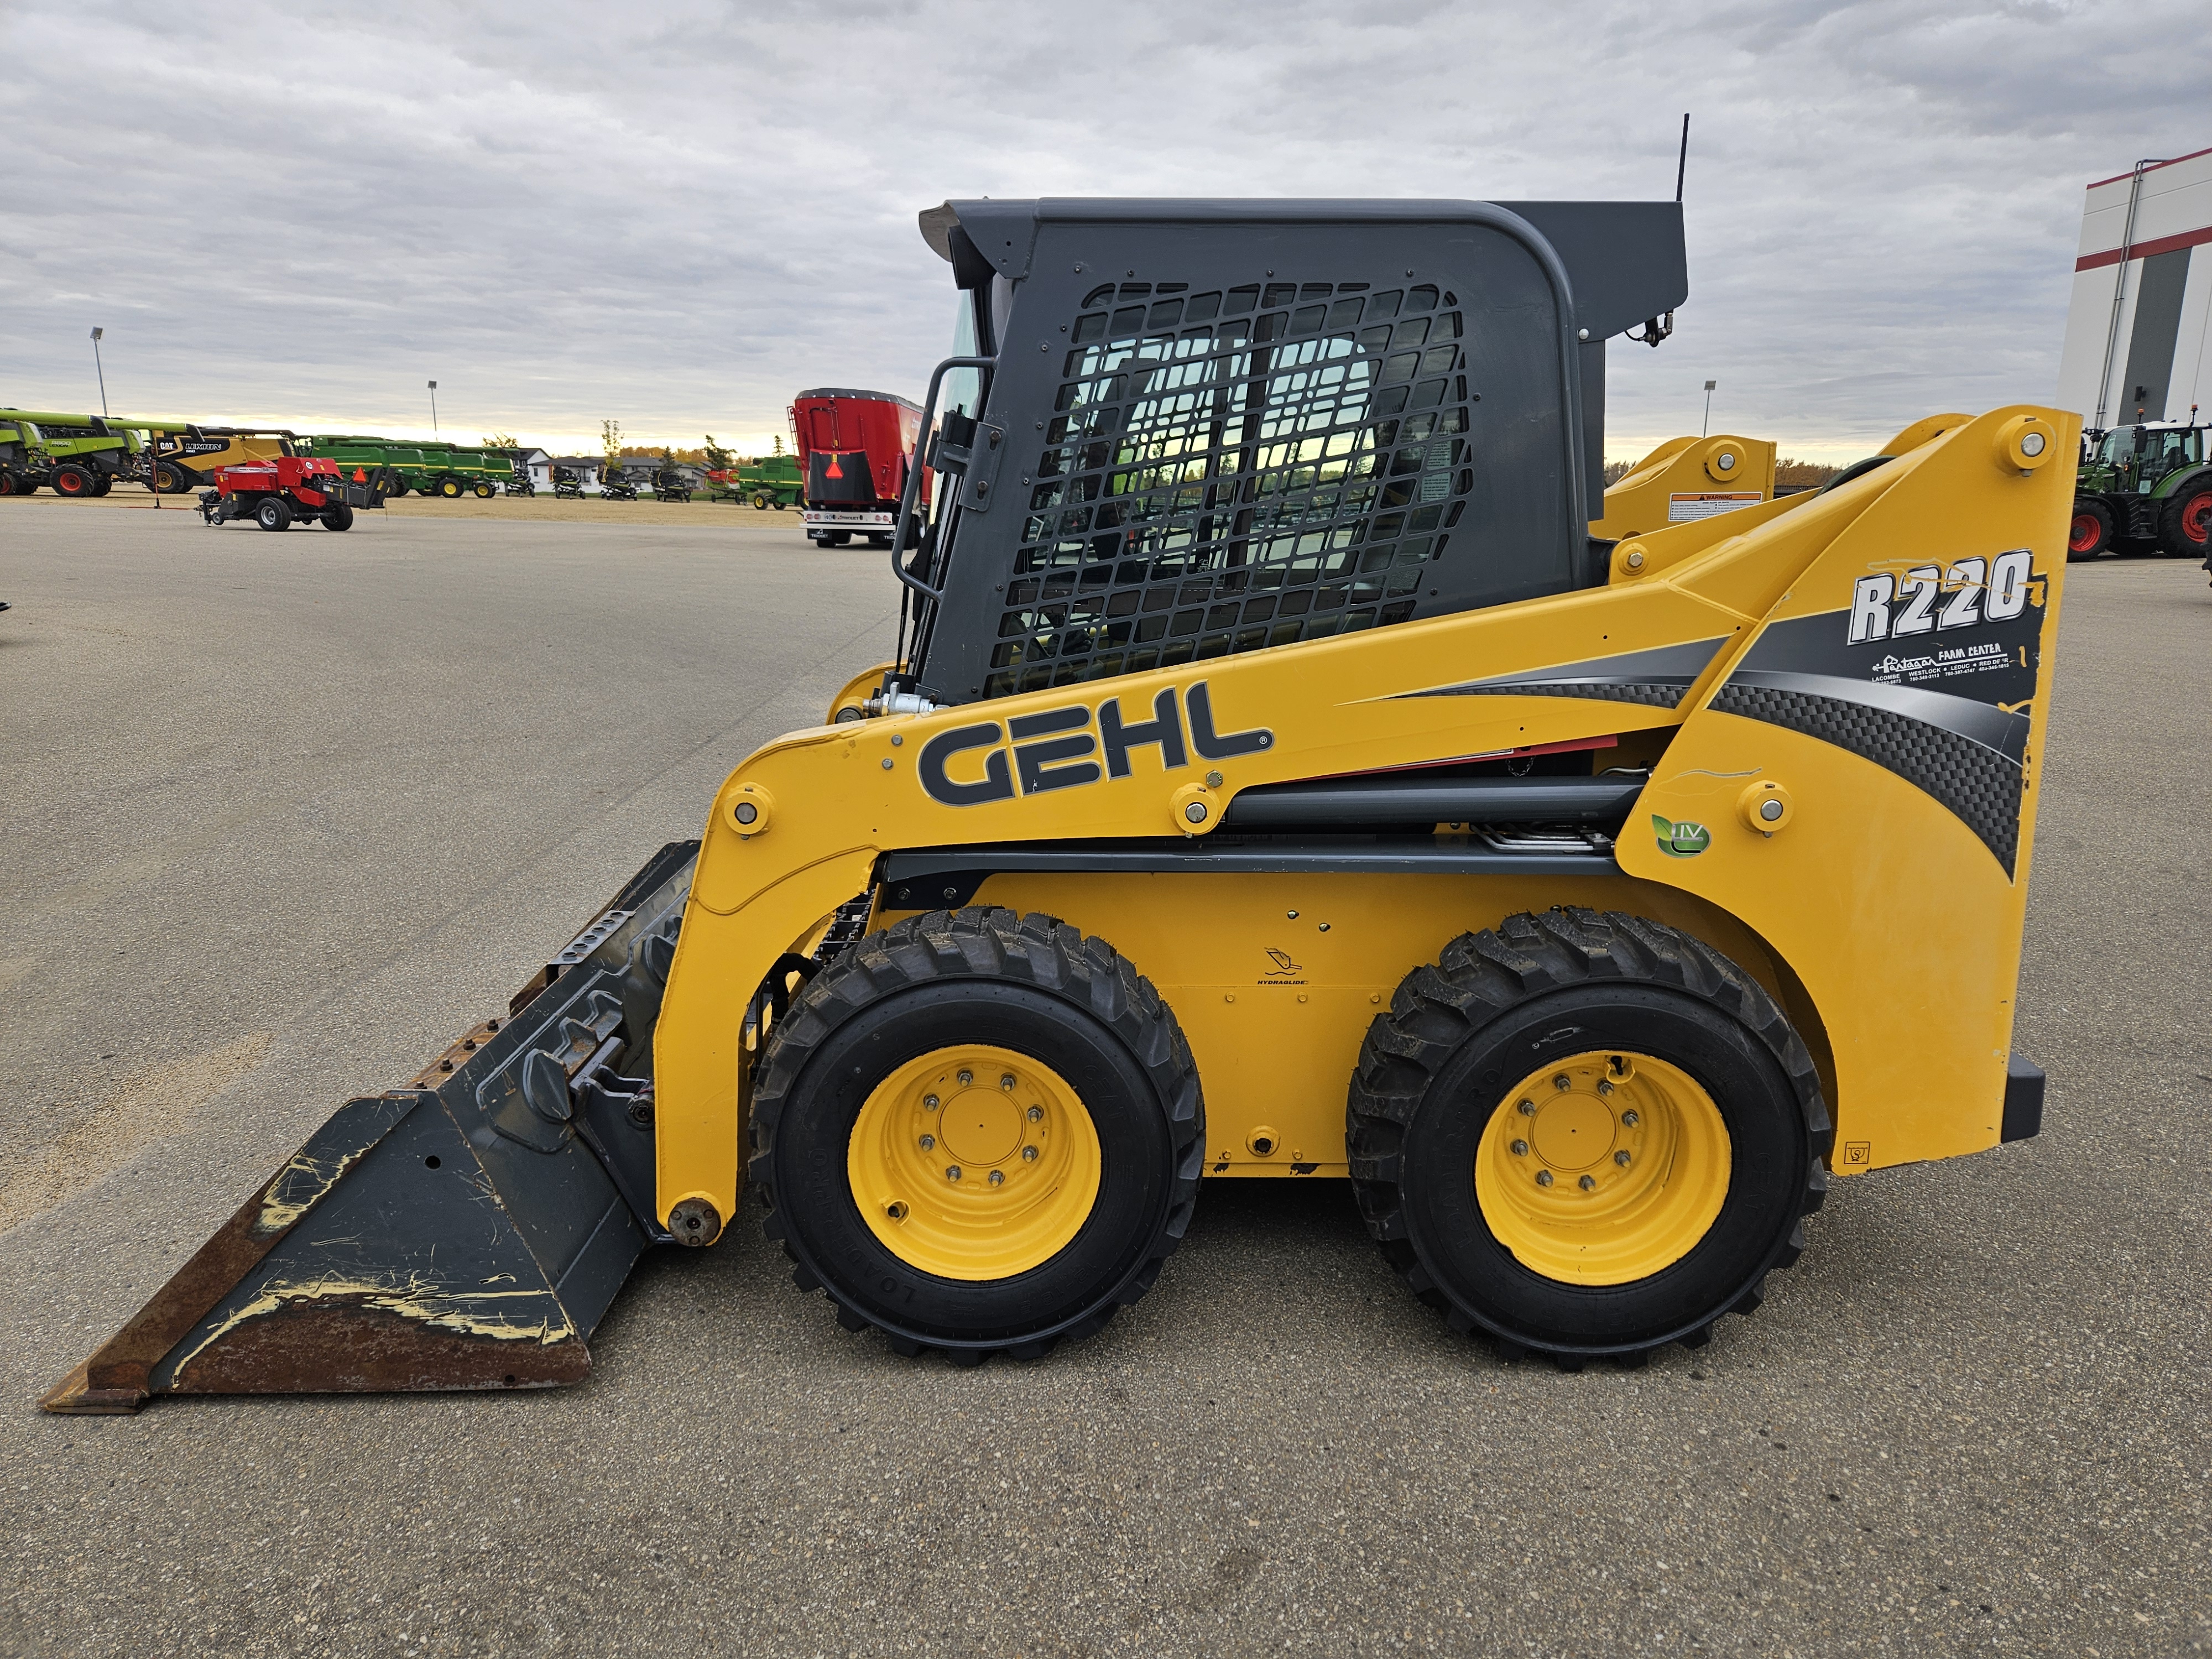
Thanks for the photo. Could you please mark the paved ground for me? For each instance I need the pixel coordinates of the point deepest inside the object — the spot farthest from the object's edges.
(278, 816)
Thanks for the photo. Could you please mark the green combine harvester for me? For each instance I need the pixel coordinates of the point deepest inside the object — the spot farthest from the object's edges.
(448, 470)
(74, 455)
(771, 481)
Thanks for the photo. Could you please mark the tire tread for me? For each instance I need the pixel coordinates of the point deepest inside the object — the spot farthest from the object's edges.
(986, 942)
(1482, 976)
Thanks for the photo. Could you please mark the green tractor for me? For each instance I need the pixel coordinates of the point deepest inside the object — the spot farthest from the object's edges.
(74, 455)
(2143, 484)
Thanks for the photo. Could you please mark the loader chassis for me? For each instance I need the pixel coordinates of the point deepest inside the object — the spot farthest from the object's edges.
(1277, 780)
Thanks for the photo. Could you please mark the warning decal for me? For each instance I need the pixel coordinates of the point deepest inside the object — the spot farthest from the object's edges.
(1686, 508)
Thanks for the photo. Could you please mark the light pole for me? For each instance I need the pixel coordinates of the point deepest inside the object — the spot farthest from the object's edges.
(434, 406)
(1708, 425)
(98, 369)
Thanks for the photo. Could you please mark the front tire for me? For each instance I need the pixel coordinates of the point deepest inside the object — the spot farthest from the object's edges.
(979, 1134)
(72, 480)
(338, 516)
(1586, 1135)
(2089, 535)
(273, 514)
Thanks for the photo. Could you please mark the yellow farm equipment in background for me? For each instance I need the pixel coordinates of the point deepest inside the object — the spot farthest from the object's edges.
(1276, 779)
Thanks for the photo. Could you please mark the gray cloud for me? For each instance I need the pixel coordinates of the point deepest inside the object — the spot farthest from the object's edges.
(566, 213)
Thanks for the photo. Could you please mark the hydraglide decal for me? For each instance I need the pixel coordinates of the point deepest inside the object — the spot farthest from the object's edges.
(1053, 748)
(1929, 674)
(1657, 678)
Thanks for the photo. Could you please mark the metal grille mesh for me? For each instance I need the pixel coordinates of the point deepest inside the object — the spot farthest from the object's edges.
(1234, 469)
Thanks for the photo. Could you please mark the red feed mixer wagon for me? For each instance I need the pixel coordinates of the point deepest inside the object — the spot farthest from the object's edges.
(279, 491)
(854, 448)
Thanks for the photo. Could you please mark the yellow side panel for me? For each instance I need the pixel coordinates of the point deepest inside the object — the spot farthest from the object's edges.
(1902, 922)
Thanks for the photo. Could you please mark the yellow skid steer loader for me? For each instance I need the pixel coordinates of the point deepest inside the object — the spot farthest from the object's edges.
(1277, 780)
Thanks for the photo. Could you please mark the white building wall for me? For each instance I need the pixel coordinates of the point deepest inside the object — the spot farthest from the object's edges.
(2192, 362)
(2173, 213)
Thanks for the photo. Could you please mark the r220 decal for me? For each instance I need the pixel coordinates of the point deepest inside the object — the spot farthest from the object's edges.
(1972, 592)
(1052, 748)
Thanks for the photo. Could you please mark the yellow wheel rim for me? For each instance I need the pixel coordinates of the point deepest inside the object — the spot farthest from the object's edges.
(1602, 1169)
(974, 1163)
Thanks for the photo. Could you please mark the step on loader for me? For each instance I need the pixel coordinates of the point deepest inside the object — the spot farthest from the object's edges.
(1275, 780)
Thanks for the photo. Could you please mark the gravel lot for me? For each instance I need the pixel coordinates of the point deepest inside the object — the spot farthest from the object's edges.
(279, 816)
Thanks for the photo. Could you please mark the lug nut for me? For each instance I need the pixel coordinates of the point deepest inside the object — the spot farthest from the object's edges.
(967, 1078)
(1588, 1183)
(1621, 1159)
(1520, 1149)
(1037, 1114)
(1005, 1080)
(1604, 1088)
(1029, 1154)
(1528, 1109)
(1562, 1081)
(998, 1177)
(952, 1172)
(928, 1141)
(1543, 1177)
(929, 1102)
(1629, 1120)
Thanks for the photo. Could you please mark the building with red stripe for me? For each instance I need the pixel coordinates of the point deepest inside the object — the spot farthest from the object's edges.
(2137, 334)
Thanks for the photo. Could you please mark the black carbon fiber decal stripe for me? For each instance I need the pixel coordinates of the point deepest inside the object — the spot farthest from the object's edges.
(1652, 696)
(1977, 784)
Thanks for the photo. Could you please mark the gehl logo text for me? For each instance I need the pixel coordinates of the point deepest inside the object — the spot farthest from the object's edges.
(1888, 607)
(1056, 748)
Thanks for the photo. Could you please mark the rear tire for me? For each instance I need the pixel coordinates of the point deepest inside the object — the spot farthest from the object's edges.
(102, 484)
(449, 490)
(484, 492)
(338, 517)
(839, 1114)
(273, 514)
(2184, 523)
(2090, 533)
(72, 480)
(169, 481)
(1732, 1131)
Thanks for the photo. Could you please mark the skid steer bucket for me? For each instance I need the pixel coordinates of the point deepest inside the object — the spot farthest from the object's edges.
(467, 1231)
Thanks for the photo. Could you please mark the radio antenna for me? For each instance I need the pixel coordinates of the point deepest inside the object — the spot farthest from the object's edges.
(1682, 161)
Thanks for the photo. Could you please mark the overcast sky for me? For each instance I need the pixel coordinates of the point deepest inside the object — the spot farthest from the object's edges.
(677, 216)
